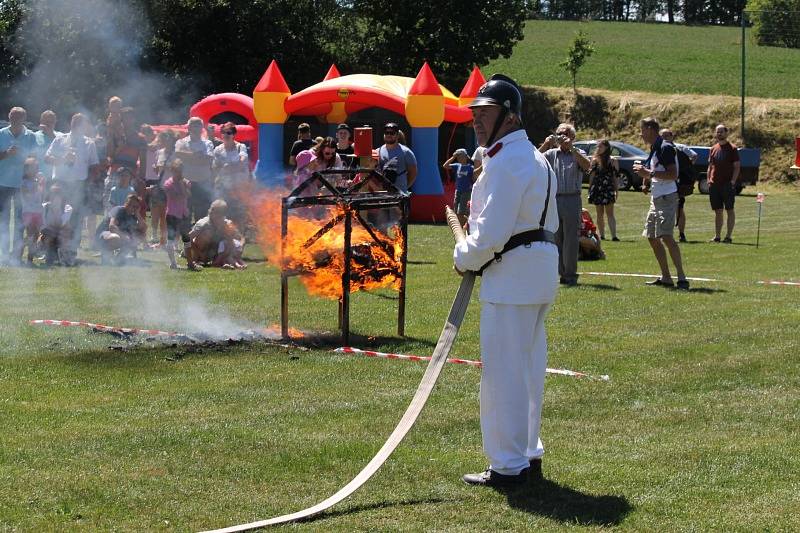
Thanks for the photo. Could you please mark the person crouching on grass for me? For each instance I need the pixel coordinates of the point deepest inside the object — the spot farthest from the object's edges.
(121, 231)
(660, 173)
(178, 191)
(215, 240)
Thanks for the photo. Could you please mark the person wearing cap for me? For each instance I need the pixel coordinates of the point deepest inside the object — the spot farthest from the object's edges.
(344, 145)
(398, 157)
(465, 176)
(569, 163)
(303, 142)
(513, 215)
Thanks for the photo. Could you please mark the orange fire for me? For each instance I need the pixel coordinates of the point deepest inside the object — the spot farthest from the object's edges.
(320, 263)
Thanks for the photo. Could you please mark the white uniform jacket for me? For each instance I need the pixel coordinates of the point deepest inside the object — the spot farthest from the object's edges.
(508, 198)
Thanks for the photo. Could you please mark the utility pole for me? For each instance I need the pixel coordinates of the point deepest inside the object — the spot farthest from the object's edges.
(744, 25)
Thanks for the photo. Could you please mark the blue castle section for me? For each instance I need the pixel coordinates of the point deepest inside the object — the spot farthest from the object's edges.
(426, 150)
(270, 168)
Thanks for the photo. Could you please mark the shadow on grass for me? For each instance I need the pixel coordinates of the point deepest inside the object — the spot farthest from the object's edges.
(558, 502)
(421, 262)
(600, 286)
(334, 339)
(371, 507)
(379, 295)
(706, 290)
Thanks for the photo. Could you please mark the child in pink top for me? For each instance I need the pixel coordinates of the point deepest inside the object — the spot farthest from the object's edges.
(178, 191)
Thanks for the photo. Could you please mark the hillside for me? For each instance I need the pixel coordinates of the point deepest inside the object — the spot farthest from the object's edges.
(771, 124)
(658, 58)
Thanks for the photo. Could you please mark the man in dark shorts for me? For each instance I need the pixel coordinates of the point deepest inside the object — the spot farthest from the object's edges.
(723, 171)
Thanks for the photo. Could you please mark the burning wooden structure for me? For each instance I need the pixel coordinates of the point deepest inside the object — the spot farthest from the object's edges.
(376, 259)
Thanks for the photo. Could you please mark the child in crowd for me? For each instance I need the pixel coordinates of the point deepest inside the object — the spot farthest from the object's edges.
(216, 240)
(56, 233)
(178, 190)
(122, 190)
(31, 196)
(465, 177)
(589, 241)
(154, 195)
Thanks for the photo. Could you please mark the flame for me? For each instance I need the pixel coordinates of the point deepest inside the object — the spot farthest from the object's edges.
(320, 263)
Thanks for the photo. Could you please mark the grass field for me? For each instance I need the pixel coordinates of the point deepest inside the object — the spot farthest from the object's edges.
(660, 58)
(696, 430)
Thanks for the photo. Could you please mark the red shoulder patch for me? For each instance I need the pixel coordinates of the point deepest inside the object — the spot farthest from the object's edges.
(496, 148)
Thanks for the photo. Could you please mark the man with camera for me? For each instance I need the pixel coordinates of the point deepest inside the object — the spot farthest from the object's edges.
(569, 164)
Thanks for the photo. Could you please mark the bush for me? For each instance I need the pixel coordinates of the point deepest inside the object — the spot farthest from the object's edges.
(776, 22)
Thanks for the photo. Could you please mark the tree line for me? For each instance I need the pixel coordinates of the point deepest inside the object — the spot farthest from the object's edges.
(62, 53)
(718, 12)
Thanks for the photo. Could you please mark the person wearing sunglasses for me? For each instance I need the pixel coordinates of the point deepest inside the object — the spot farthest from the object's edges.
(322, 156)
(397, 156)
(232, 169)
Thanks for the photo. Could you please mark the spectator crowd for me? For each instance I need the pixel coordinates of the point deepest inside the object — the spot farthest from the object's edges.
(96, 183)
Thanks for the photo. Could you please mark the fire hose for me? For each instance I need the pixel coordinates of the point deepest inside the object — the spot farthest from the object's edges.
(434, 368)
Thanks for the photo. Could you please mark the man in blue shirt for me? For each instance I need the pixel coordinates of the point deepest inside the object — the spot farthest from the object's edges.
(397, 157)
(17, 143)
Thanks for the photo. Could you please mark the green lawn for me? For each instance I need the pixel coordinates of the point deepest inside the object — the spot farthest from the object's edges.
(696, 430)
(659, 58)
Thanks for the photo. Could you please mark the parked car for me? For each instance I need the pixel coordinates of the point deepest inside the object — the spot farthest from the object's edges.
(750, 162)
(625, 154)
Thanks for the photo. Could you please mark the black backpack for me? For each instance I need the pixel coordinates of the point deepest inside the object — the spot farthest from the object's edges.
(687, 175)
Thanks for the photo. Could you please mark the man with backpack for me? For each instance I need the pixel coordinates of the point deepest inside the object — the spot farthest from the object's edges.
(659, 174)
(687, 176)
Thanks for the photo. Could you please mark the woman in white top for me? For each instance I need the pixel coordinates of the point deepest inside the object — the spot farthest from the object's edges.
(232, 168)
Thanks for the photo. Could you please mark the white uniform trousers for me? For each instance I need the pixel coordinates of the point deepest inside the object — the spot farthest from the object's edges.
(514, 355)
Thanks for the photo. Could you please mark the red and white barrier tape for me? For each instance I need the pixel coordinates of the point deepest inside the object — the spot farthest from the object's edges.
(369, 353)
(623, 274)
(102, 327)
(770, 282)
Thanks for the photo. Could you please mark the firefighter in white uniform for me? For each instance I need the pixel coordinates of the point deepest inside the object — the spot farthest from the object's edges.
(513, 213)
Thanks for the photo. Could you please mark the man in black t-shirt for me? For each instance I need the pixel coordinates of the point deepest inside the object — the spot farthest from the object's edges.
(121, 231)
(303, 142)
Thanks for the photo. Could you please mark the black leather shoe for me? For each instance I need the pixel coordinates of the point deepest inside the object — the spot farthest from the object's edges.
(535, 470)
(490, 478)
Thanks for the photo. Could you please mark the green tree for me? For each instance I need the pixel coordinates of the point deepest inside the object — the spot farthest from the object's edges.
(161, 55)
(227, 44)
(582, 48)
(452, 35)
(776, 22)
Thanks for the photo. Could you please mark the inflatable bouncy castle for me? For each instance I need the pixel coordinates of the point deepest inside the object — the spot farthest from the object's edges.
(424, 103)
